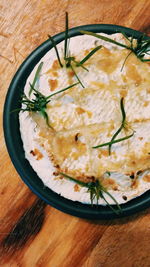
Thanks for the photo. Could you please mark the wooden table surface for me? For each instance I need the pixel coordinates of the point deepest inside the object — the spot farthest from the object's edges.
(31, 232)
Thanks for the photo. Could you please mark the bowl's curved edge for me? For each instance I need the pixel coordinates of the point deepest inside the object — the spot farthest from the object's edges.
(12, 135)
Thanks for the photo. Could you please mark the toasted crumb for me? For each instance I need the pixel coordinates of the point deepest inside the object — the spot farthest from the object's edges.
(55, 173)
(70, 74)
(80, 110)
(36, 153)
(55, 73)
(132, 175)
(53, 84)
(76, 137)
(110, 183)
(124, 197)
(105, 153)
(135, 184)
(146, 178)
(55, 65)
(76, 188)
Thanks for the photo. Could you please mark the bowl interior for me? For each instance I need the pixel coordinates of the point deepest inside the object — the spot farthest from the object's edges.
(15, 146)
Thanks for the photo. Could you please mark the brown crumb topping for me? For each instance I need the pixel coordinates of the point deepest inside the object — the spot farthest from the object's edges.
(55, 73)
(109, 183)
(135, 184)
(55, 65)
(80, 110)
(146, 178)
(76, 188)
(132, 175)
(124, 197)
(70, 74)
(76, 137)
(53, 84)
(55, 173)
(36, 153)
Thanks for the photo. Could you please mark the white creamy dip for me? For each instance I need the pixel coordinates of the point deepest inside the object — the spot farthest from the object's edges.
(99, 107)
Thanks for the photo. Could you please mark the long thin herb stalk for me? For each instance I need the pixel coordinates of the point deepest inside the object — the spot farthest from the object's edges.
(77, 64)
(62, 90)
(140, 49)
(114, 141)
(36, 77)
(69, 60)
(56, 50)
(122, 123)
(77, 76)
(96, 191)
(122, 126)
(126, 60)
(104, 38)
(89, 55)
(39, 103)
(66, 46)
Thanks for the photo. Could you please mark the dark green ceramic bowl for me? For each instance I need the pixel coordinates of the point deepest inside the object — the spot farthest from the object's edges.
(15, 146)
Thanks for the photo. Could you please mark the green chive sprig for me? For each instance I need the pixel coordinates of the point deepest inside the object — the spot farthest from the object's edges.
(123, 123)
(36, 77)
(123, 126)
(141, 49)
(89, 55)
(39, 103)
(76, 76)
(70, 61)
(66, 45)
(96, 191)
(56, 50)
(114, 141)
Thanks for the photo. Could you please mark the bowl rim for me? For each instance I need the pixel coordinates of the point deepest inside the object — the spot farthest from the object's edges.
(16, 153)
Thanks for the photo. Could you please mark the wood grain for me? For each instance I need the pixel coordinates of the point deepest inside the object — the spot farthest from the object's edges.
(32, 233)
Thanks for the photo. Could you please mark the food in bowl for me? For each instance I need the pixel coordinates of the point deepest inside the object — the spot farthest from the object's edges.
(84, 119)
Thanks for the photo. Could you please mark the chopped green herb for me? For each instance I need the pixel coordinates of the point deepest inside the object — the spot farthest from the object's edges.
(141, 49)
(67, 57)
(89, 55)
(36, 77)
(122, 124)
(125, 60)
(62, 90)
(104, 38)
(66, 46)
(56, 50)
(38, 104)
(114, 141)
(76, 76)
(96, 191)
